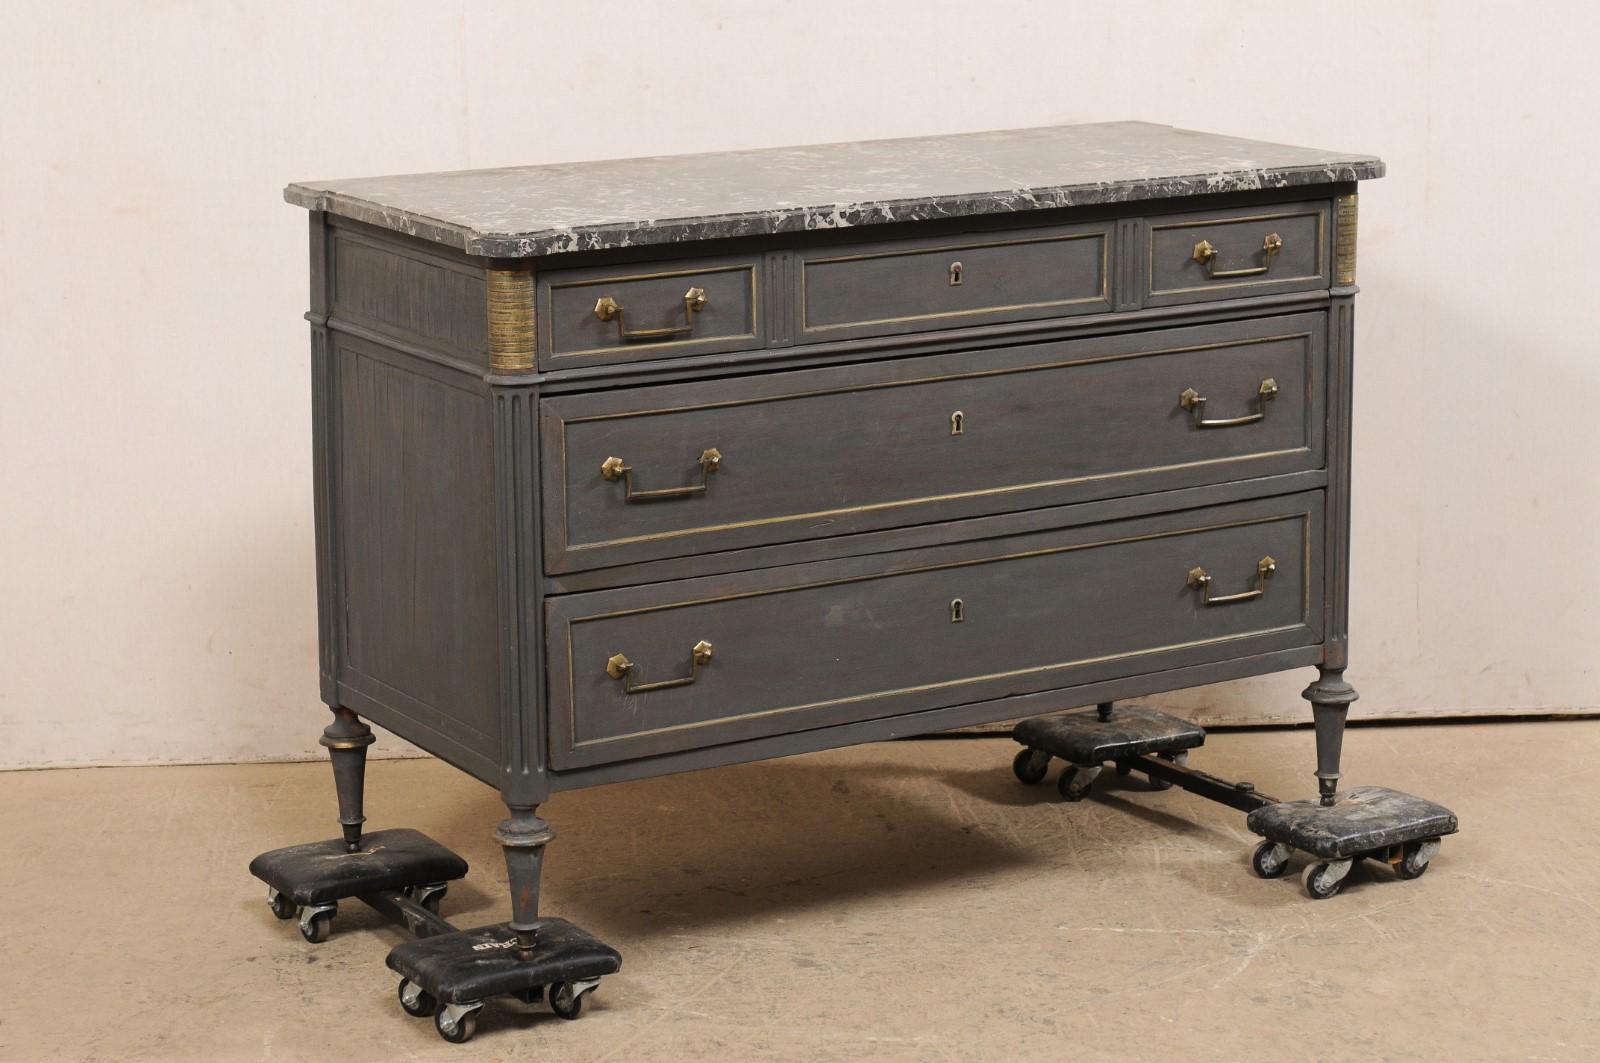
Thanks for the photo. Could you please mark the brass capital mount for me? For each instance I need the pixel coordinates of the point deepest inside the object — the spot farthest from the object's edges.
(511, 320)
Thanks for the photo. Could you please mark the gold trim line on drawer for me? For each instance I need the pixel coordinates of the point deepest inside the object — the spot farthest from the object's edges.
(928, 499)
(511, 320)
(1105, 280)
(1304, 517)
(1150, 251)
(785, 396)
(990, 677)
(751, 269)
(943, 565)
(1344, 247)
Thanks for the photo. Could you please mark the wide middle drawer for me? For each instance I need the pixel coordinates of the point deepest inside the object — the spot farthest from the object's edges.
(684, 469)
(671, 666)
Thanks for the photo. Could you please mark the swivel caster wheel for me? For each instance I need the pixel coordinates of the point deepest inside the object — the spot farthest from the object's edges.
(1270, 860)
(1180, 759)
(457, 1023)
(566, 998)
(1324, 880)
(429, 896)
(416, 1001)
(1075, 782)
(1030, 766)
(281, 906)
(316, 923)
(1415, 857)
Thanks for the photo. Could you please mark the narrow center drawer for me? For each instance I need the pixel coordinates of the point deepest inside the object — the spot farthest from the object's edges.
(907, 286)
(659, 668)
(676, 470)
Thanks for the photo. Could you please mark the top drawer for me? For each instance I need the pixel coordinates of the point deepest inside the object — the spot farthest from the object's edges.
(1231, 254)
(654, 310)
(898, 286)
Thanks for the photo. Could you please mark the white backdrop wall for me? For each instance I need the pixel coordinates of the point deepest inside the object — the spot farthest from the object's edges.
(156, 571)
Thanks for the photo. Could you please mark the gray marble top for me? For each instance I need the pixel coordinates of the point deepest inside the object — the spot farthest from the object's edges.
(538, 210)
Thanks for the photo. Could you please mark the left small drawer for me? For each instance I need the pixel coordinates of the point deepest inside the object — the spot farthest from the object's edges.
(646, 311)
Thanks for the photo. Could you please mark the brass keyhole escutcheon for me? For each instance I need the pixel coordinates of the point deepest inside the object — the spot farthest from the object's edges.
(958, 423)
(955, 274)
(958, 610)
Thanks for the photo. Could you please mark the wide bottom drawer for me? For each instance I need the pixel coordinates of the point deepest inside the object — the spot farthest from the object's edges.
(655, 669)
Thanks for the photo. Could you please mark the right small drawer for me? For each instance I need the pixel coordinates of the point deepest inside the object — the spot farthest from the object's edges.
(1231, 254)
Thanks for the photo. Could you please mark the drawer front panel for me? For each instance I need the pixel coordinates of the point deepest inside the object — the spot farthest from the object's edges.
(824, 452)
(911, 286)
(1232, 254)
(779, 650)
(648, 311)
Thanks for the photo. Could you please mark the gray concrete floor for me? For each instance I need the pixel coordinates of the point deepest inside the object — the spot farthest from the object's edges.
(905, 901)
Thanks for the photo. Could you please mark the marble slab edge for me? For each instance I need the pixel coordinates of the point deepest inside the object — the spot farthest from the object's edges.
(602, 237)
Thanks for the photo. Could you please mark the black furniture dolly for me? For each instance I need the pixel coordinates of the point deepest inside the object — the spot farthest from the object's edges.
(445, 973)
(1368, 822)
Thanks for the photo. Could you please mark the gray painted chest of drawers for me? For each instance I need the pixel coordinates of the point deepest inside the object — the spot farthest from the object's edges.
(636, 467)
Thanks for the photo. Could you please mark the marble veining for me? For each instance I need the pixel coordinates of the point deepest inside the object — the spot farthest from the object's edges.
(524, 211)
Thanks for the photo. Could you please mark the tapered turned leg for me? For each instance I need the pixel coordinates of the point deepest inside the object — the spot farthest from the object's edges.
(347, 739)
(1330, 698)
(523, 837)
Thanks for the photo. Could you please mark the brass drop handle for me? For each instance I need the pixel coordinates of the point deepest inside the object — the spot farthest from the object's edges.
(614, 469)
(1195, 403)
(694, 301)
(1206, 255)
(619, 667)
(1200, 580)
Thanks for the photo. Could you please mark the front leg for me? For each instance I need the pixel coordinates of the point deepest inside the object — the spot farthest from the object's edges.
(523, 837)
(347, 739)
(1330, 698)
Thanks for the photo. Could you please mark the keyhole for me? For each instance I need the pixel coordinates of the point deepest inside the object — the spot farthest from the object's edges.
(958, 423)
(958, 610)
(955, 274)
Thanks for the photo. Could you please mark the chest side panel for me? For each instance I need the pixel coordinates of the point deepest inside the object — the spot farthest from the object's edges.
(416, 548)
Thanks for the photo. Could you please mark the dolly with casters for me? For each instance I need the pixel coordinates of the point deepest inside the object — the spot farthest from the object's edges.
(1087, 743)
(451, 975)
(1368, 822)
(1336, 829)
(446, 973)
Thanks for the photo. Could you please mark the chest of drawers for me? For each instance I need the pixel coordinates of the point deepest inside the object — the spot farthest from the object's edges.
(643, 466)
